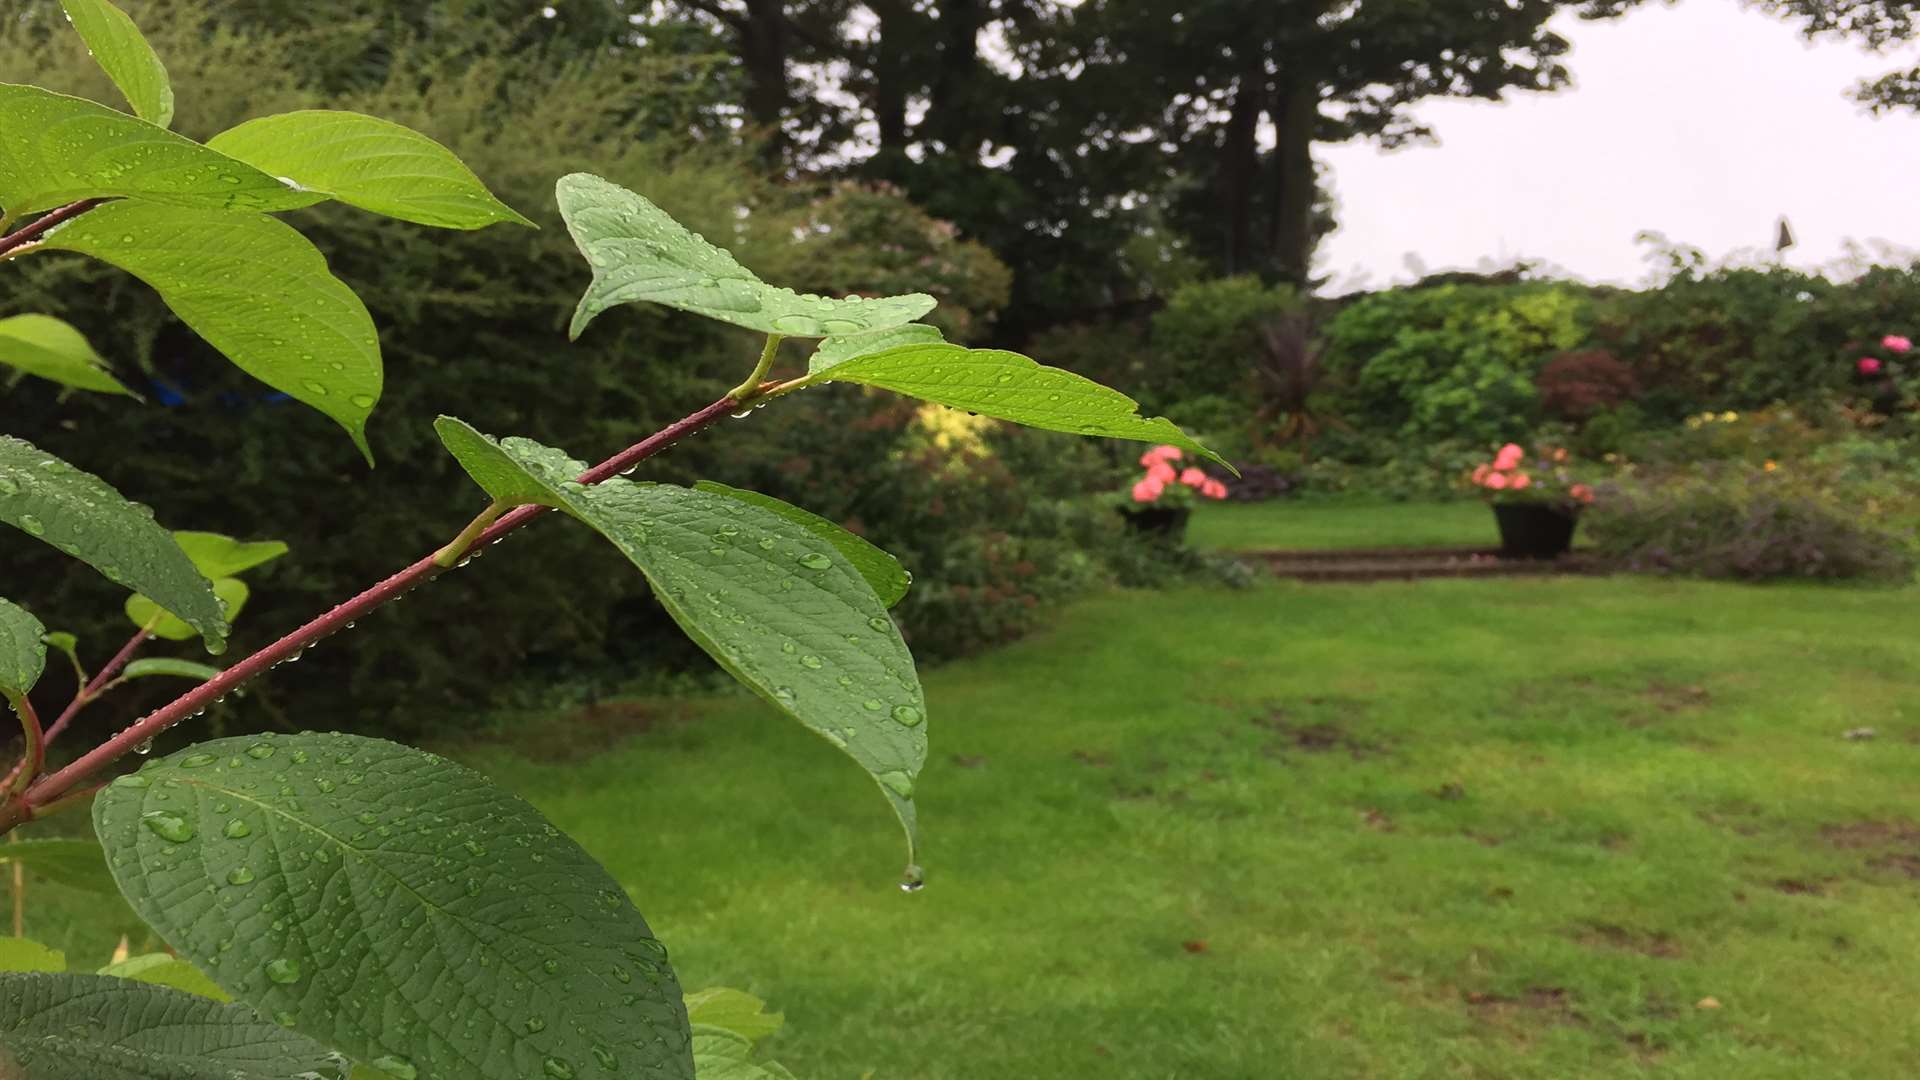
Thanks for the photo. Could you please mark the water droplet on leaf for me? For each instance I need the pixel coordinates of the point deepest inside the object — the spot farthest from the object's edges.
(168, 826)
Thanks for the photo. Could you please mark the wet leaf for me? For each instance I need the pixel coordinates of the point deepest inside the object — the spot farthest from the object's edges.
(374, 164)
(639, 254)
(83, 516)
(334, 882)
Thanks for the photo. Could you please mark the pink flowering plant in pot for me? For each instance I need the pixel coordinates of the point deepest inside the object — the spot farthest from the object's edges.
(1161, 499)
(1543, 478)
(1536, 499)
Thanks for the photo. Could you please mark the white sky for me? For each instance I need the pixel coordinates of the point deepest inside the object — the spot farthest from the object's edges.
(1705, 122)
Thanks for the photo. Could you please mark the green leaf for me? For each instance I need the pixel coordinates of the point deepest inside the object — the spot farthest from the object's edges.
(76, 863)
(780, 609)
(62, 149)
(232, 593)
(335, 882)
(719, 1054)
(160, 969)
(838, 350)
(125, 56)
(640, 254)
(733, 1010)
(44, 346)
(65, 643)
(91, 1027)
(141, 611)
(222, 556)
(889, 579)
(1009, 386)
(23, 649)
(256, 290)
(21, 955)
(159, 665)
(83, 516)
(370, 163)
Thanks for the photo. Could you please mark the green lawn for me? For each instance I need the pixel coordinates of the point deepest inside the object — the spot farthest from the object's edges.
(1515, 829)
(1308, 524)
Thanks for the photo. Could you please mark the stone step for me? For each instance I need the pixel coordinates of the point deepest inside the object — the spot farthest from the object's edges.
(1411, 564)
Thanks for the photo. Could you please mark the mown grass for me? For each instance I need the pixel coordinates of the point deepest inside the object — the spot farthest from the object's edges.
(1517, 829)
(1316, 524)
(1453, 829)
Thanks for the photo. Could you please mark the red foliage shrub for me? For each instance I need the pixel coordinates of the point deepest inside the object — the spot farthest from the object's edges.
(1576, 385)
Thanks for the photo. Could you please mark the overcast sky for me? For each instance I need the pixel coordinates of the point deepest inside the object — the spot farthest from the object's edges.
(1705, 122)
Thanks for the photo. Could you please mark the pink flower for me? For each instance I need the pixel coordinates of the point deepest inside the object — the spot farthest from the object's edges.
(1147, 490)
(1160, 473)
(1480, 475)
(1510, 456)
(1581, 492)
(1193, 478)
(1896, 344)
(1521, 481)
(1213, 489)
(1497, 482)
(1159, 454)
(1869, 365)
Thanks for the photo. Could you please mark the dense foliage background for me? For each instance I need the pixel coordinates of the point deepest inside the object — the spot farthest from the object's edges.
(1169, 267)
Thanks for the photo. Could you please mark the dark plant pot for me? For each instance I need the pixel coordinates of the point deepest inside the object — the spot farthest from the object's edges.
(1162, 522)
(1535, 530)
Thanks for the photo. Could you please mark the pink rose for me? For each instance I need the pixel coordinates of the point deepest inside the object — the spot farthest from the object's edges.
(1869, 365)
(1160, 473)
(1213, 489)
(1147, 491)
(1497, 482)
(1510, 456)
(1480, 475)
(1193, 478)
(1521, 482)
(1160, 454)
(1581, 492)
(1897, 344)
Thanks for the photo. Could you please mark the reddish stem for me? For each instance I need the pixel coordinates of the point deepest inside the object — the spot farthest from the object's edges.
(52, 787)
(21, 237)
(86, 694)
(34, 755)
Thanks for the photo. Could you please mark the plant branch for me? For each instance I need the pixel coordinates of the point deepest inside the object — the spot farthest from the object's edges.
(52, 788)
(450, 556)
(747, 389)
(35, 753)
(91, 690)
(39, 227)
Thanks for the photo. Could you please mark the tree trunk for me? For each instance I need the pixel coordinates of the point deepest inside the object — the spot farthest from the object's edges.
(763, 51)
(952, 118)
(1239, 166)
(1295, 182)
(890, 74)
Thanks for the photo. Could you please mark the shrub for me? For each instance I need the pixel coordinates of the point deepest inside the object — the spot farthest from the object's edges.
(1206, 338)
(471, 325)
(1742, 337)
(1778, 434)
(1577, 385)
(1446, 363)
(1735, 520)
